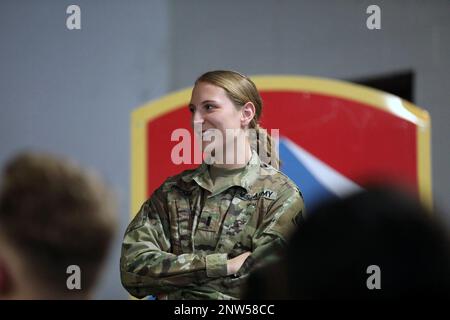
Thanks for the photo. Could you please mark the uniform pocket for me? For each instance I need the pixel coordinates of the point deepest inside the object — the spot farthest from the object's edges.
(183, 217)
(238, 223)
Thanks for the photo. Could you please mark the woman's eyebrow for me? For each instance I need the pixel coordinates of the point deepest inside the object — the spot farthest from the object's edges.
(209, 101)
(203, 102)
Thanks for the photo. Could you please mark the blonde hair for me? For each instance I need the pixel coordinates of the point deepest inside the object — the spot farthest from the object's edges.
(240, 90)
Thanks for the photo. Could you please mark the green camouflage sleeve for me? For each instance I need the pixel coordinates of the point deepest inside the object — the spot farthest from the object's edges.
(146, 264)
(281, 220)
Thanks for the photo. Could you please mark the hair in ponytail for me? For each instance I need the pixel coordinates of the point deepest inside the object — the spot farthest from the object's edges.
(265, 146)
(240, 90)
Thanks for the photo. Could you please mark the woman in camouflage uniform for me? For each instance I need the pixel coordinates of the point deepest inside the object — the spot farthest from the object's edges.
(202, 231)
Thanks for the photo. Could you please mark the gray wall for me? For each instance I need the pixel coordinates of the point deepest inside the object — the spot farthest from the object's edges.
(71, 92)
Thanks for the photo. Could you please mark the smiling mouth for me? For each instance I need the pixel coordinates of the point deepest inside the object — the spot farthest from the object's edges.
(202, 132)
(206, 134)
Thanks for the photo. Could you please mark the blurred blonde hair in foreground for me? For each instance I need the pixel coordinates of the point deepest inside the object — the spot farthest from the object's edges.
(53, 214)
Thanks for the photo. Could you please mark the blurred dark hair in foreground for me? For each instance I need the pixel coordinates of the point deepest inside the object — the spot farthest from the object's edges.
(329, 254)
(53, 214)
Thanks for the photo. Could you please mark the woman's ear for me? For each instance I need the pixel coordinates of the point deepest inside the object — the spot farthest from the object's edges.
(247, 113)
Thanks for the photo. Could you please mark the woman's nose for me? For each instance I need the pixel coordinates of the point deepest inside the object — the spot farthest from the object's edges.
(197, 122)
(197, 118)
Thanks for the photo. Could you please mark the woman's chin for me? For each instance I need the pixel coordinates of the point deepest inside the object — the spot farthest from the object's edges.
(209, 147)
(210, 154)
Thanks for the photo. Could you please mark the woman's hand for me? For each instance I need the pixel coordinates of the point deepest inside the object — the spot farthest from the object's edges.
(233, 265)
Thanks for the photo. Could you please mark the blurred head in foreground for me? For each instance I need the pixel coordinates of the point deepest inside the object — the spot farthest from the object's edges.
(374, 244)
(53, 215)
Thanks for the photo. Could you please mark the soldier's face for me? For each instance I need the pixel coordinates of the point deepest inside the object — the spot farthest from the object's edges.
(212, 109)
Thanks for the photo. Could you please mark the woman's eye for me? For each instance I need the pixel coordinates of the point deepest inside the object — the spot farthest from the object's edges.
(209, 106)
(191, 110)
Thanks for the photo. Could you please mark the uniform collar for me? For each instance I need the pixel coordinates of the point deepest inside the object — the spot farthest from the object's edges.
(244, 179)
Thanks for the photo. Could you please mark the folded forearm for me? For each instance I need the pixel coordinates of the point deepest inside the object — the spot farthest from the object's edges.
(160, 272)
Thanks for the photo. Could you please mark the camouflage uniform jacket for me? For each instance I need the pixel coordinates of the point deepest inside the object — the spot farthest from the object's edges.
(179, 242)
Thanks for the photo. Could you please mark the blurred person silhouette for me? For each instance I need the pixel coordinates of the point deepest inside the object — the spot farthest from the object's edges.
(381, 243)
(53, 214)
